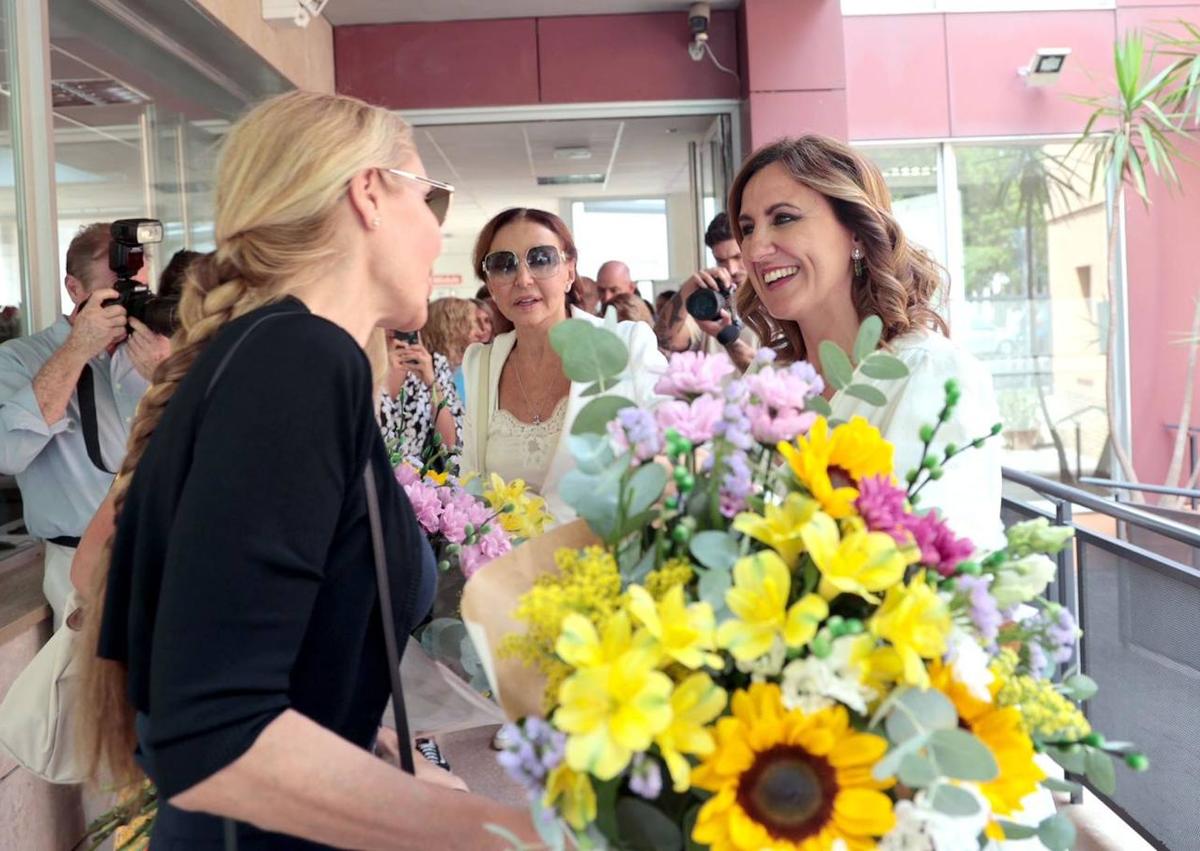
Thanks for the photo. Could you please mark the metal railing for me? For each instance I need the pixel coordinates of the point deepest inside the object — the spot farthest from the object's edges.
(1141, 643)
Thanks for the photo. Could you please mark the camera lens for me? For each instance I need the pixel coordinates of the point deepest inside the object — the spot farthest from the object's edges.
(705, 305)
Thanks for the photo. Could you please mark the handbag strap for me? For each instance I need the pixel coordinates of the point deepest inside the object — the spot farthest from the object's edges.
(86, 391)
(485, 407)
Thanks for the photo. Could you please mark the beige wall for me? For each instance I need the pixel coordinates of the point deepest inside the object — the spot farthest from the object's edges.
(304, 56)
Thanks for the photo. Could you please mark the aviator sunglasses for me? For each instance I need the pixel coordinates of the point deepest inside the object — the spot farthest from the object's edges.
(438, 196)
(500, 267)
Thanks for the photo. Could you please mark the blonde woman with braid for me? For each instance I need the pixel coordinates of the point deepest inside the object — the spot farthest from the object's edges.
(239, 650)
(823, 252)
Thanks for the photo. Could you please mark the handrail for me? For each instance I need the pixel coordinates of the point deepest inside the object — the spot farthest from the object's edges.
(1134, 486)
(1158, 525)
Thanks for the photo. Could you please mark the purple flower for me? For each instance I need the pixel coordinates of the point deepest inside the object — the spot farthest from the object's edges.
(692, 373)
(1062, 632)
(636, 429)
(736, 486)
(984, 612)
(696, 421)
(1038, 663)
(531, 749)
(807, 373)
(735, 427)
(881, 504)
(786, 424)
(940, 548)
(765, 356)
(645, 778)
(426, 505)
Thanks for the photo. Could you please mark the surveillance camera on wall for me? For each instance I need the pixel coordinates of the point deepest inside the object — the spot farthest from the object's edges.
(295, 13)
(1045, 66)
(699, 19)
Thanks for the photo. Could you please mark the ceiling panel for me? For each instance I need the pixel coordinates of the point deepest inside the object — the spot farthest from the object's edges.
(341, 12)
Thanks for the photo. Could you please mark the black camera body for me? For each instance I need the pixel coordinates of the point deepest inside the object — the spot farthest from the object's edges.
(126, 256)
(706, 305)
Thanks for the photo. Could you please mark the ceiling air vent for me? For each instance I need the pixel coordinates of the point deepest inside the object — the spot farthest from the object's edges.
(97, 92)
(570, 179)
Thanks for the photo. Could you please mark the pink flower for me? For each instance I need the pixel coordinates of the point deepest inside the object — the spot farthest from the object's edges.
(407, 475)
(692, 373)
(881, 504)
(779, 389)
(491, 546)
(940, 548)
(426, 505)
(696, 421)
(787, 424)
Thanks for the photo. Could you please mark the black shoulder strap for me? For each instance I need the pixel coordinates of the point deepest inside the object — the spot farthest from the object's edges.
(86, 391)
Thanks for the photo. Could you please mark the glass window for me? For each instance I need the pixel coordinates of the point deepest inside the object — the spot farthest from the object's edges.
(908, 7)
(12, 298)
(633, 231)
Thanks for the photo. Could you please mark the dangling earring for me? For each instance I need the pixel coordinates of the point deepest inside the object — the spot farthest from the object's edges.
(857, 256)
(376, 222)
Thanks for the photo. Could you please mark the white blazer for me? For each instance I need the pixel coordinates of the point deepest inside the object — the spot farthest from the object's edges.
(646, 366)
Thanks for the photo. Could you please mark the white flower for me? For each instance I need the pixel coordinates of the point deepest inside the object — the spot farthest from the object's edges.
(767, 665)
(969, 664)
(1020, 580)
(919, 827)
(813, 683)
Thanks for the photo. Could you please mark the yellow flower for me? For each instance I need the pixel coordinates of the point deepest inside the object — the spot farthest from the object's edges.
(571, 793)
(1046, 712)
(683, 632)
(915, 622)
(676, 571)
(829, 463)
(759, 598)
(790, 781)
(437, 478)
(526, 516)
(1000, 728)
(858, 562)
(694, 704)
(616, 702)
(779, 528)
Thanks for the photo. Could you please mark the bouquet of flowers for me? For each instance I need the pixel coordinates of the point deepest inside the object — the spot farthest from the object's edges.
(771, 645)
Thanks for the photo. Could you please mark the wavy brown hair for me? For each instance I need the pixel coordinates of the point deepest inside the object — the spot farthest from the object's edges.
(551, 222)
(900, 280)
(282, 177)
(448, 329)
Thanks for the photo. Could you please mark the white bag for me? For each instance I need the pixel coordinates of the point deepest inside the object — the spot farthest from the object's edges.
(36, 724)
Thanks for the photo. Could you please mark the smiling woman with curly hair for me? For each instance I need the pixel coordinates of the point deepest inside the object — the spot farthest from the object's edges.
(823, 252)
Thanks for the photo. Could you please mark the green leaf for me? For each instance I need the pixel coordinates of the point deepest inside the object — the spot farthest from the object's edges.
(689, 824)
(589, 354)
(890, 764)
(835, 365)
(507, 835)
(868, 337)
(644, 827)
(592, 452)
(714, 549)
(819, 405)
(916, 771)
(712, 587)
(919, 711)
(962, 756)
(1056, 785)
(883, 367)
(636, 574)
(1080, 687)
(1075, 762)
(646, 487)
(1139, 174)
(1012, 830)
(953, 801)
(598, 413)
(594, 496)
(1057, 833)
(870, 395)
(1100, 771)
(548, 825)
(606, 807)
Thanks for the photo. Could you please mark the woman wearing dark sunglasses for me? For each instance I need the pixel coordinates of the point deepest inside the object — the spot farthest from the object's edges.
(519, 400)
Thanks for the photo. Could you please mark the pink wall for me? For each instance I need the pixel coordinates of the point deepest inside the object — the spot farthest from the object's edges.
(532, 60)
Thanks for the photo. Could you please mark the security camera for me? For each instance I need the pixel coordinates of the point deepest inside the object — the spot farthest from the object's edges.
(699, 17)
(1045, 66)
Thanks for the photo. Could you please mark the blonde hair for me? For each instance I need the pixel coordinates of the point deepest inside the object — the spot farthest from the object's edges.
(448, 329)
(283, 172)
(899, 282)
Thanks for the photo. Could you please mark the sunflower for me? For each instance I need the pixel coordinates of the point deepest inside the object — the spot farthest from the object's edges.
(1002, 730)
(790, 781)
(830, 463)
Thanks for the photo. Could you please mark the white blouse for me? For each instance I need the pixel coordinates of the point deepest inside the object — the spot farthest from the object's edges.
(520, 450)
(968, 494)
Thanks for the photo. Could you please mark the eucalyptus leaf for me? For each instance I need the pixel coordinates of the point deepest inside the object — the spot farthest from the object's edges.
(835, 365)
(953, 801)
(1100, 771)
(883, 367)
(596, 414)
(1012, 830)
(920, 711)
(606, 807)
(890, 764)
(589, 354)
(549, 828)
(961, 755)
(868, 337)
(644, 827)
(507, 835)
(819, 405)
(714, 549)
(592, 452)
(712, 587)
(1057, 833)
(1056, 785)
(593, 389)
(1073, 761)
(636, 574)
(1080, 687)
(916, 771)
(870, 395)
(645, 487)
(594, 496)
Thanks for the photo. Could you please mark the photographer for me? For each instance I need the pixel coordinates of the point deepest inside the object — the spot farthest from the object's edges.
(67, 395)
(671, 327)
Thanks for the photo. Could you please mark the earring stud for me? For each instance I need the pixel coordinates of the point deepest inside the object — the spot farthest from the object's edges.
(376, 222)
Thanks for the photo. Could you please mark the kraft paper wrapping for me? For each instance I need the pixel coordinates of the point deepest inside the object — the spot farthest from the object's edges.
(488, 605)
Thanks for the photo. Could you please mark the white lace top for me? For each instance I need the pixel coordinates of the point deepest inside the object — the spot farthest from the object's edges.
(517, 450)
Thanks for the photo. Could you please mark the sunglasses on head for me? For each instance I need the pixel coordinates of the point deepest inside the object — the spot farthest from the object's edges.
(437, 196)
(500, 267)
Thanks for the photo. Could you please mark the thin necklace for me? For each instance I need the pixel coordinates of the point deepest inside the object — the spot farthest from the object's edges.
(537, 418)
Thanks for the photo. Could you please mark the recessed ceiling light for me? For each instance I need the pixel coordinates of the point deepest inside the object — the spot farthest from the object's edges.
(577, 152)
(570, 179)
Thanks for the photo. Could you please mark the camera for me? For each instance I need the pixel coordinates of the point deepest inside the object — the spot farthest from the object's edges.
(126, 255)
(410, 337)
(706, 305)
(699, 18)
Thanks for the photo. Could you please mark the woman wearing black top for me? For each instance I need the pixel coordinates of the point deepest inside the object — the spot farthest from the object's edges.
(240, 655)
